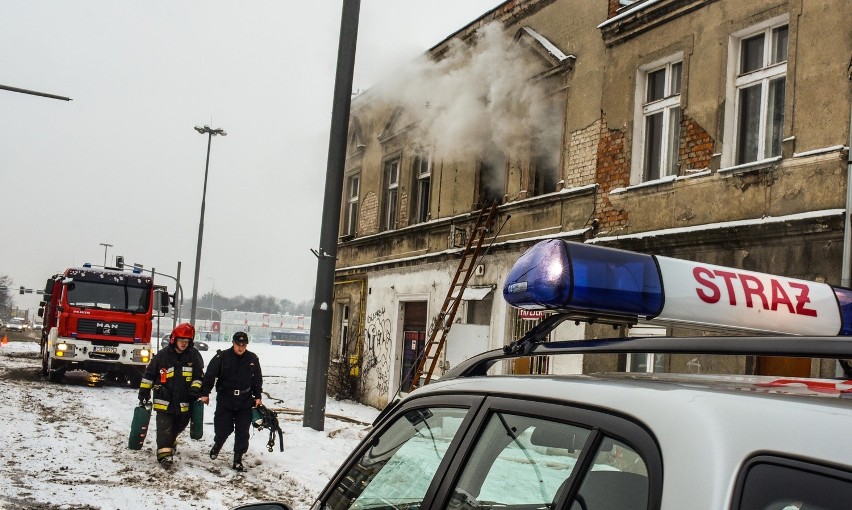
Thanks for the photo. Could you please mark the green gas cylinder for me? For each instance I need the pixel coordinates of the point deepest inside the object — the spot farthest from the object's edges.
(196, 427)
(139, 426)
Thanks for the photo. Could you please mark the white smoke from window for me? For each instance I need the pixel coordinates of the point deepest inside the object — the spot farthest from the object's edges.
(476, 96)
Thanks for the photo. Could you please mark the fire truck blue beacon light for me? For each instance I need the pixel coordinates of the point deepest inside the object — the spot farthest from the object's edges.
(558, 275)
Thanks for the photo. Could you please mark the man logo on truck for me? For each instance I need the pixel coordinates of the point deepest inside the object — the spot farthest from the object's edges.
(107, 329)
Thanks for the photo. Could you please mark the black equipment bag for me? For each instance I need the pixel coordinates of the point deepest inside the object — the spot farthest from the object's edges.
(262, 417)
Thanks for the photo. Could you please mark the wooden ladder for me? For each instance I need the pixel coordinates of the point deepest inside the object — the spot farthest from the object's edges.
(444, 320)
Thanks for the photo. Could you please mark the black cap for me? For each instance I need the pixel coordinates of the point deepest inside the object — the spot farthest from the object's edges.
(240, 338)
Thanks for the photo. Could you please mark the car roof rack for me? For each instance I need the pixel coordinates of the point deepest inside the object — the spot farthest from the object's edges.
(533, 344)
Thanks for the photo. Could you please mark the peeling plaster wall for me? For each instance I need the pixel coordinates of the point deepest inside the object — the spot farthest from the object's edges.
(389, 289)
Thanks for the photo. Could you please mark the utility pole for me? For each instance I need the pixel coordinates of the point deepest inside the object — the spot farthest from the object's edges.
(320, 341)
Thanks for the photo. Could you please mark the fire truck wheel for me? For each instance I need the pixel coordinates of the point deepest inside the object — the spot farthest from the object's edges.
(54, 375)
(44, 359)
(133, 379)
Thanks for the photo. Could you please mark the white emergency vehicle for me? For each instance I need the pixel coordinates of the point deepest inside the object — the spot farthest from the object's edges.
(480, 439)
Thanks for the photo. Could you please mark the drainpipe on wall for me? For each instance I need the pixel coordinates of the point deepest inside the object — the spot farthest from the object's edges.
(847, 224)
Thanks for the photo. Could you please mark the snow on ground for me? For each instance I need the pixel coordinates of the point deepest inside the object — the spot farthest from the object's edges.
(65, 446)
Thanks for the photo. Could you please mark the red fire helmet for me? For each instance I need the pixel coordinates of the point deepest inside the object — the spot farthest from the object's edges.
(182, 330)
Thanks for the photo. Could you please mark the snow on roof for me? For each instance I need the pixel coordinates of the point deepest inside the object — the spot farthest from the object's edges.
(824, 150)
(766, 220)
(549, 46)
(628, 12)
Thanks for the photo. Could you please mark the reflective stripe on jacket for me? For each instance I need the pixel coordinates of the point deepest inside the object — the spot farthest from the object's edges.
(175, 378)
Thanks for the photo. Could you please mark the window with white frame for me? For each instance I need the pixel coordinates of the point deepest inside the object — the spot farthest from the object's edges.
(658, 126)
(422, 171)
(649, 362)
(391, 192)
(759, 82)
(353, 185)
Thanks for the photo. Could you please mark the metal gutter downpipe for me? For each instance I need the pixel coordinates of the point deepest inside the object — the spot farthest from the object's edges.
(847, 223)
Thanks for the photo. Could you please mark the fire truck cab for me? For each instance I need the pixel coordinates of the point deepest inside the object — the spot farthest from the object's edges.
(99, 320)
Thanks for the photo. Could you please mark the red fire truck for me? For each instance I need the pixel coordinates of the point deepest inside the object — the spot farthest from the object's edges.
(99, 320)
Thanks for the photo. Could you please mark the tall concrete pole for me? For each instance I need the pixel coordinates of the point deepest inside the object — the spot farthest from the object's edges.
(321, 314)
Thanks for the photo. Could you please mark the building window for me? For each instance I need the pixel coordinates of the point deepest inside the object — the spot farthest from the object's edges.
(545, 174)
(649, 362)
(659, 125)
(422, 171)
(350, 222)
(491, 177)
(391, 198)
(759, 78)
(546, 145)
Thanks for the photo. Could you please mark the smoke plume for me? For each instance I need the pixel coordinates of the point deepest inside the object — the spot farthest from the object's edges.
(476, 97)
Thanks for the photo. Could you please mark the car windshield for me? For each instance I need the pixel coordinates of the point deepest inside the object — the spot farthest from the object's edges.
(108, 296)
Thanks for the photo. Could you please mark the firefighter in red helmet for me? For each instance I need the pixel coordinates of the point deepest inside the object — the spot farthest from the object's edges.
(175, 375)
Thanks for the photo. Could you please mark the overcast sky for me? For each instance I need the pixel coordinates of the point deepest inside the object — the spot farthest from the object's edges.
(121, 164)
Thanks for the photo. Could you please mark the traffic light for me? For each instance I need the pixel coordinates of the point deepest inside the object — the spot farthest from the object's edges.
(119, 261)
(172, 298)
(21, 291)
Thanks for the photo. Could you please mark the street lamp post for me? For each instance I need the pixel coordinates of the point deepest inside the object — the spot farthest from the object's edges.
(210, 134)
(106, 247)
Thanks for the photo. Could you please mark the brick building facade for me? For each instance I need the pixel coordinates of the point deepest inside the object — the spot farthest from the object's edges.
(710, 130)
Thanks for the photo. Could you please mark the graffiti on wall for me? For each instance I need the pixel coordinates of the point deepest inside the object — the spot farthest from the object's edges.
(377, 348)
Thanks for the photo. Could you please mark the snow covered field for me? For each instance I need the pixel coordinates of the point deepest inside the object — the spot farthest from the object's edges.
(65, 446)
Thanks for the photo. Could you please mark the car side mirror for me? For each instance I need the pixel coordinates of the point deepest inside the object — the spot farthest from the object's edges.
(271, 505)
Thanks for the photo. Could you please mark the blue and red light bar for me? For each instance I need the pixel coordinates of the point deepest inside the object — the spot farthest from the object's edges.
(595, 282)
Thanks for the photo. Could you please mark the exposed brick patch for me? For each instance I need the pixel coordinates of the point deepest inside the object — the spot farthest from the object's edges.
(583, 156)
(696, 145)
(402, 221)
(613, 171)
(368, 220)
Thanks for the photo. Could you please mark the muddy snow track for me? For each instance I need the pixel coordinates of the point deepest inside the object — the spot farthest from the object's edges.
(63, 444)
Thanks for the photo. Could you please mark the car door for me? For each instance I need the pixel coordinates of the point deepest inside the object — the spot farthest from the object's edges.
(465, 452)
(524, 455)
(399, 465)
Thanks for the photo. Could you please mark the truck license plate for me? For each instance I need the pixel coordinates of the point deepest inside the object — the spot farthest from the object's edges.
(105, 350)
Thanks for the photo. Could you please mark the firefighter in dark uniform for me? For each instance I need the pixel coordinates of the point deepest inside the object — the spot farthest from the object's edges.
(175, 375)
(239, 383)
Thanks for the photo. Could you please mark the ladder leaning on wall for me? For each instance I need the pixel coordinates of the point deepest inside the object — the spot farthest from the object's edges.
(428, 360)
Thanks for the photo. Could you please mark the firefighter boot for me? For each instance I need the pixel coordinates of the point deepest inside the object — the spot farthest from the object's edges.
(214, 452)
(165, 457)
(238, 462)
